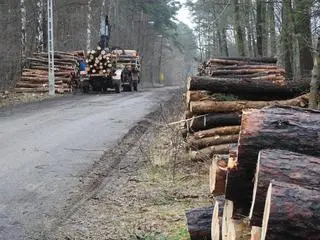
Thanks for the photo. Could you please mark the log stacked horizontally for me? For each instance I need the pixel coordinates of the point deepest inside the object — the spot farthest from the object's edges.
(34, 77)
(256, 133)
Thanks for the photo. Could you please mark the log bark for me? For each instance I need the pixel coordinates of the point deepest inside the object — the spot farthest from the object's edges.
(283, 166)
(203, 107)
(206, 154)
(197, 96)
(217, 174)
(214, 120)
(220, 131)
(242, 61)
(291, 212)
(287, 128)
(236, 85)
(196, 144)
(246, 71)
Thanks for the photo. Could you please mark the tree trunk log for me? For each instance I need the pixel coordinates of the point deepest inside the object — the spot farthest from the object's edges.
(214, 120)
(291, 129)
(196, 144)
(255, 233)
(197, 96)
(247, 71)
(283, 166)
(218, 174)
(244, 86)
(206, 154)
(203, 107)
(220, 131)
(291, 212)
(242, 61)
(204, 222)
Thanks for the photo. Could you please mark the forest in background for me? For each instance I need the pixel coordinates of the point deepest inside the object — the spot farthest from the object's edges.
(167, 47)
(286, 29)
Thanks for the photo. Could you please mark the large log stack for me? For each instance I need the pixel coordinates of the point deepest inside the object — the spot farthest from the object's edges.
(251, 142)
(34, 78)
(215, 101)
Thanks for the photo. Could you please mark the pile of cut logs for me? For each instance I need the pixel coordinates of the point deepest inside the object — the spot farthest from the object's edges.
(34, 78)
(264, 160)
(100, 61)
(215, 104)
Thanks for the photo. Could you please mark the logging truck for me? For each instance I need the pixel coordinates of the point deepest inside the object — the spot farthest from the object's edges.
(106, 70)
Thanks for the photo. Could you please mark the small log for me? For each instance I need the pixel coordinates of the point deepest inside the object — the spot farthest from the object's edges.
(292, 129)
(244, 86)
(214, 120)
(206, 154)
(217, 174)
(283, 166)
(196, 144)
(227, 230)
(203, 107)
(220, 131)
(291, 212)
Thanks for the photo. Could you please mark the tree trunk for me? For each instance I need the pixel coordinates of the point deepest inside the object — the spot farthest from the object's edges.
(283, 166)
(247, 86)
(218, 174)
(202, 107)
(314, 102)
(23, 29)
(224, 42)
(89, 21)
(40, 29)
(214, 120)
(303, 33)
(238, 28)
(196, 144)
(291, 129)
(204, 223)
(291, 212)
(220, 131)
(261, 27)
(272, 29)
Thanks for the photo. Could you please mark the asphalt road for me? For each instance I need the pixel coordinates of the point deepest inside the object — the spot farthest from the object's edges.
(46, 147)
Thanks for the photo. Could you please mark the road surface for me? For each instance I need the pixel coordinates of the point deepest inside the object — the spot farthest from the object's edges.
(45, 149)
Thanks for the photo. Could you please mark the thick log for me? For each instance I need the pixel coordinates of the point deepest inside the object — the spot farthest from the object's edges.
(220, 131)
(217, 174)
(202, 107)
(291, 212)
(214, 120)
(283, 166)
(243, 85)
(196, 144)
(292, 129)
(206, 154)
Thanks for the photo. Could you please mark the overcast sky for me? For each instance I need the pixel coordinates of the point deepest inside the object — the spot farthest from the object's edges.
(185, 16)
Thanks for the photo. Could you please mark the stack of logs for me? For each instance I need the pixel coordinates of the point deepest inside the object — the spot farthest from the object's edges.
(100, 61)
(34, 78)
(266, 186)
(215, 104)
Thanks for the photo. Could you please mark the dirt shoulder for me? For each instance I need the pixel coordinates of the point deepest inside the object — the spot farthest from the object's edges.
(142, 188)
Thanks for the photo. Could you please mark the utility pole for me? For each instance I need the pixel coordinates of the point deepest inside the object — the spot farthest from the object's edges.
(50, 49)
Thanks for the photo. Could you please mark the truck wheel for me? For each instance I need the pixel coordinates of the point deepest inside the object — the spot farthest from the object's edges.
(85, 89)
(135, 86)
(130, 87)
(117, 88)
